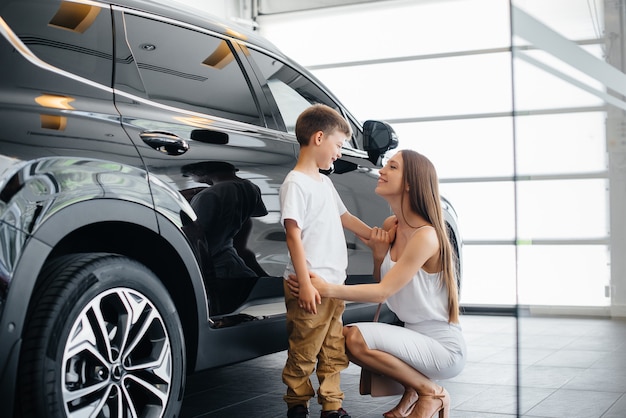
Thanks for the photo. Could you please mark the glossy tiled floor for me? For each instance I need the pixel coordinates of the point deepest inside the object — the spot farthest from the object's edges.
(568, 368)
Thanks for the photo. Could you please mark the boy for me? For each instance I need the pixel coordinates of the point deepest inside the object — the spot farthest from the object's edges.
(314, 217)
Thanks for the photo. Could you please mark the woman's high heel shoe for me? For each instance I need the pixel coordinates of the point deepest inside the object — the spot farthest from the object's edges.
(428, 405)
(397, 412)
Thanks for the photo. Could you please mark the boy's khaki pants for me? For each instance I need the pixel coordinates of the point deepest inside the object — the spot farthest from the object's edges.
(314, 340)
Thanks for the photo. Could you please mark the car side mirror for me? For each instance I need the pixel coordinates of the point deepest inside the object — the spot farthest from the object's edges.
(378, 138)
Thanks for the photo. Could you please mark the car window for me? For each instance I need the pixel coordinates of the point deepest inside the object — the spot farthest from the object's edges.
(293, 91)
(71, 36)
(183, 68)
(289, 102)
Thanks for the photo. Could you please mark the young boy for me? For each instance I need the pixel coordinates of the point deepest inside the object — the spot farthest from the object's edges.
(314, 217)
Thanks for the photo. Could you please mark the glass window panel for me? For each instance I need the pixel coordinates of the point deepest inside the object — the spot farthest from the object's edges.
(292, 91)
(465, 148)
(389, 30)
(536, 88)
(187, 69)
(563, 275)
(448, 86)
(546, 59)
(488, 275)
(485, 210)
(563, 209)
(73, 37)
(579, 19)
(565, 143)
(562, 145)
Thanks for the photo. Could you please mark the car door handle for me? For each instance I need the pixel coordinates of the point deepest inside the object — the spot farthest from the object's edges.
(165, 142)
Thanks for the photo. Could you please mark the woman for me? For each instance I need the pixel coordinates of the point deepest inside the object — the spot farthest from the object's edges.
(413, 256)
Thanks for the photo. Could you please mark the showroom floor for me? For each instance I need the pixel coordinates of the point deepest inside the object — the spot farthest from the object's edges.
(570, 368)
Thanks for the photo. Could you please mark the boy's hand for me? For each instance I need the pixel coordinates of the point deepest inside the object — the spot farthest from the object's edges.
(309, 298)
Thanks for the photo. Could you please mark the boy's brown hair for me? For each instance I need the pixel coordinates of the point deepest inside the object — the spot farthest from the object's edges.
(319, 117)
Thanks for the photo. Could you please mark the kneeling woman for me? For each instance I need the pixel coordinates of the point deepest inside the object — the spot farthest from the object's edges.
(414, 258)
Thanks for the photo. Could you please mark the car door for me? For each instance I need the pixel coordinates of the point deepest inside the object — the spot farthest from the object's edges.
(186, 102)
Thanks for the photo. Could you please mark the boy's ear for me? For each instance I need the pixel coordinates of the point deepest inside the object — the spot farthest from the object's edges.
(317, 137)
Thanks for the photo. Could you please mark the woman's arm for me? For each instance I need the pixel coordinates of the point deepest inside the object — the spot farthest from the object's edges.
(375, 238)
(421, 247)
(381, 241)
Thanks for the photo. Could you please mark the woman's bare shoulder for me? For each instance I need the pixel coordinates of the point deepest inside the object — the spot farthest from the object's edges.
(425, 237)
(389, 222)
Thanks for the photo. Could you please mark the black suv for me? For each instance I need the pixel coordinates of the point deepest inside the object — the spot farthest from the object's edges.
(114, 116)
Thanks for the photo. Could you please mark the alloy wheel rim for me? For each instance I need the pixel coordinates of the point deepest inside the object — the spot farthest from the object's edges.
(117, 361)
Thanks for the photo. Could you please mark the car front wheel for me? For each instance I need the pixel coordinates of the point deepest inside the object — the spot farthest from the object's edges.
(103, 339)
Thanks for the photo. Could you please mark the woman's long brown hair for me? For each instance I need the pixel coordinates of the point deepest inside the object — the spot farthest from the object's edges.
(420, 174)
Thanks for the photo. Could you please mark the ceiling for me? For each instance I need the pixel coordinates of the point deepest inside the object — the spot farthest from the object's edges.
(265, 7)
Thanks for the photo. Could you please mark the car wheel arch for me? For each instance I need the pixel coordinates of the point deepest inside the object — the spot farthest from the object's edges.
(66, 231)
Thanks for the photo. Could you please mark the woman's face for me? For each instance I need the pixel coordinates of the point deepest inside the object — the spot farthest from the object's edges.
(390, 181)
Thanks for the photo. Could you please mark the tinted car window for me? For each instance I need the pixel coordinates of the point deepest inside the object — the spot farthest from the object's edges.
(184, 68)
(293, 91)
(71, 36)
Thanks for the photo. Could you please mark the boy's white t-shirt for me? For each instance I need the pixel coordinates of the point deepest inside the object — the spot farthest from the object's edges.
(317, 208)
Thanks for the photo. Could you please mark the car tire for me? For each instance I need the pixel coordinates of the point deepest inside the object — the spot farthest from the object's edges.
(103, 339)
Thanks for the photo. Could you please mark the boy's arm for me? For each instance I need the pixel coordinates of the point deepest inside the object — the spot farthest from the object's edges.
(354, 224)
(308, 297)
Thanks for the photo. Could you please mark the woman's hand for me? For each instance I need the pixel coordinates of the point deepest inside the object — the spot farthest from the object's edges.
(309, 298)
(294, 285)
(380, 240)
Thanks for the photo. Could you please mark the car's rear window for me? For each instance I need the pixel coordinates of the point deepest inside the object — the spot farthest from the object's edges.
(74, 37)
(181, 67)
